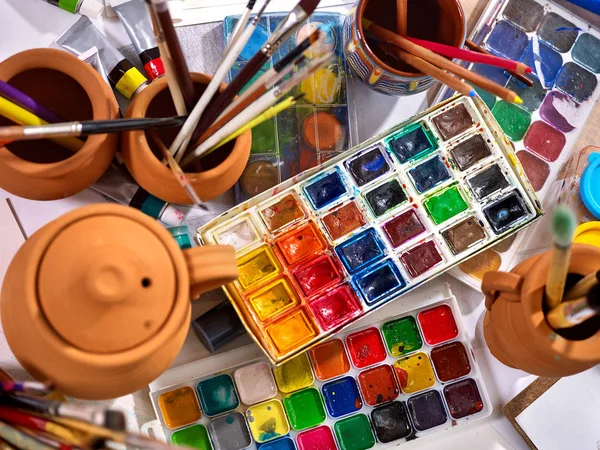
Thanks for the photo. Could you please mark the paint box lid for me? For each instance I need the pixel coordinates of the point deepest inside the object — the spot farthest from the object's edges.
(588, 233)
(590, 185)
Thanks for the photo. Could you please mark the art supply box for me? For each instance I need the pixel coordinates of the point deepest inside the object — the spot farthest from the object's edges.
(320, 126)
(321, 250)
(407, 372)
(564, 53)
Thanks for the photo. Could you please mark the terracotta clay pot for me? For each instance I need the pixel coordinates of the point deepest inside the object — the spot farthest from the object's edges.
(41, 169)
(221, 169)
(515, 327)
(98, 300)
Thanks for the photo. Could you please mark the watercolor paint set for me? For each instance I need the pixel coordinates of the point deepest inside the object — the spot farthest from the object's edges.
(314, 130)
(336, 242)
(402, 376)
(564, 53)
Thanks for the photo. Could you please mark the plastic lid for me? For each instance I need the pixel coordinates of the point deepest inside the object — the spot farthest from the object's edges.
(171, 216)
(590, 185)
(91, 8)
(106, 283)
(588, 233)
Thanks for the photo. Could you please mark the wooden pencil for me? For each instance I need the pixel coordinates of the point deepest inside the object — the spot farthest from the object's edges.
(429, 69)
(522, 78)
(443, 63)
(402, 17)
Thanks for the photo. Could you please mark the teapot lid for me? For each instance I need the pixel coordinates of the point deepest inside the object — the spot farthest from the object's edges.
(106, 283)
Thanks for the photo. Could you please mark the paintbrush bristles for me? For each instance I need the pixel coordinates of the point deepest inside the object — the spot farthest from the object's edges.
(309, 5)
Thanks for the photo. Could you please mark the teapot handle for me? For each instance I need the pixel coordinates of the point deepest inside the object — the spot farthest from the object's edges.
(210, 267)
(495, 283)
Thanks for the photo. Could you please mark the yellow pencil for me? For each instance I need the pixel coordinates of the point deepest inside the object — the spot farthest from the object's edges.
(268, 114)
(23, 117)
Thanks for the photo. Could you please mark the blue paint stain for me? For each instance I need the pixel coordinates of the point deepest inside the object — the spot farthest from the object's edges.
(550, 61)
(411, 143)
(256, 41)
(380, 282)
(325, 190)
(341, 397)
(368, 166)
(361, 250)
(507, 41)
(559, 40)
(429, 174)
(503, 214)
(569, 29)
(284, 443)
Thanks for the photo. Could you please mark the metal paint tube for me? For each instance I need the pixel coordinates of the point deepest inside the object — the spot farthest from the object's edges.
(136, 20)
(123, 76)
(92, 57)
(90, 8)
(118, 186)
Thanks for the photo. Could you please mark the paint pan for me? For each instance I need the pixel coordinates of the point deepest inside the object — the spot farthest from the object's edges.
(320, 251)
(378, 385)
(320, 126)
(564, 52)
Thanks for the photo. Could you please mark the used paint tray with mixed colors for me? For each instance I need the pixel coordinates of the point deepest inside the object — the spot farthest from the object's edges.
(318, 127)
(564, 52)
(375, 386)
(339, 241)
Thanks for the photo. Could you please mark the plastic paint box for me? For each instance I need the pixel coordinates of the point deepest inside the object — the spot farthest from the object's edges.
(338, 241)
(319, 127)
(413, 364)
(564, 52)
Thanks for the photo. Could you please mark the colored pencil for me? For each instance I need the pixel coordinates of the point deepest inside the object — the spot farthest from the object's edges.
(161, 7)
(574, 312)
(288, 25)
(443, 63)
(268, 114)
(177, 171)
(25, 101)
(583, 286)
(31, 387)
(86, 127)
(402, 17)
(259, 106)
(472, 56)
(174, 88)
(20, 439)
(563, 229)
(239, 26)
(476, 48)
(23, 117)
(429, 69)
(184, 136)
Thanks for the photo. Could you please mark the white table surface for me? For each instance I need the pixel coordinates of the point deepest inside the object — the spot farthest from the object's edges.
(32, 23)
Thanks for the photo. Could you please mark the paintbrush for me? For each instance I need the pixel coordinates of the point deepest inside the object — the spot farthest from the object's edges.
(289, 25)
(163, 16)
(563, 228)
(29, 387)
(476, 48)
(177, 171)
(185, 134)
(574, 312)
(473, 56)
(174, 88)
(402, 17)
(110, 418)
(258, 107)
(47, 438)
(239, 26)
(429, 69)
(583, 286)
(86, 127)
(20, 440)
(443, 63)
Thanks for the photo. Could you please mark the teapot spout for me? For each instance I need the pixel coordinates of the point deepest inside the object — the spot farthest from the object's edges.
(210, 267)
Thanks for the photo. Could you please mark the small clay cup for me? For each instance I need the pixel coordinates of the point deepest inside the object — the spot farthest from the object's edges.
(516, 329)
(440, 21)
(41, 169)
(98, 300)
(221, 168)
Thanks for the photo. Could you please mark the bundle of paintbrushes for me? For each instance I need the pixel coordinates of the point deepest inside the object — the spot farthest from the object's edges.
(430, 58)
(215, 120)
(30, 420)
(581, 302)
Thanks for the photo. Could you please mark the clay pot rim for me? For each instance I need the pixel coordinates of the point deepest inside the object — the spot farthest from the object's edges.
(87, 78)
(179, 314)
(418, 76)
(144, 151)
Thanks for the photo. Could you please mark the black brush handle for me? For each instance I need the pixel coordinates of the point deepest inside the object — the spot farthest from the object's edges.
(117, 125)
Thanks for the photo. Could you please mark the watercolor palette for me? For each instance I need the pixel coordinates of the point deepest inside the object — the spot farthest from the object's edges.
(318, 127)
(564, 52)
(416, 368)
(339, 241)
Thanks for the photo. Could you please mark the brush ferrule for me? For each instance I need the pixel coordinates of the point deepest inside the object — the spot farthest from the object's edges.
(293, 20)
(69, 128)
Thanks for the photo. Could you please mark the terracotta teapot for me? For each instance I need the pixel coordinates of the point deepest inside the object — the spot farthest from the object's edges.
(98, 300)
(515, 326)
